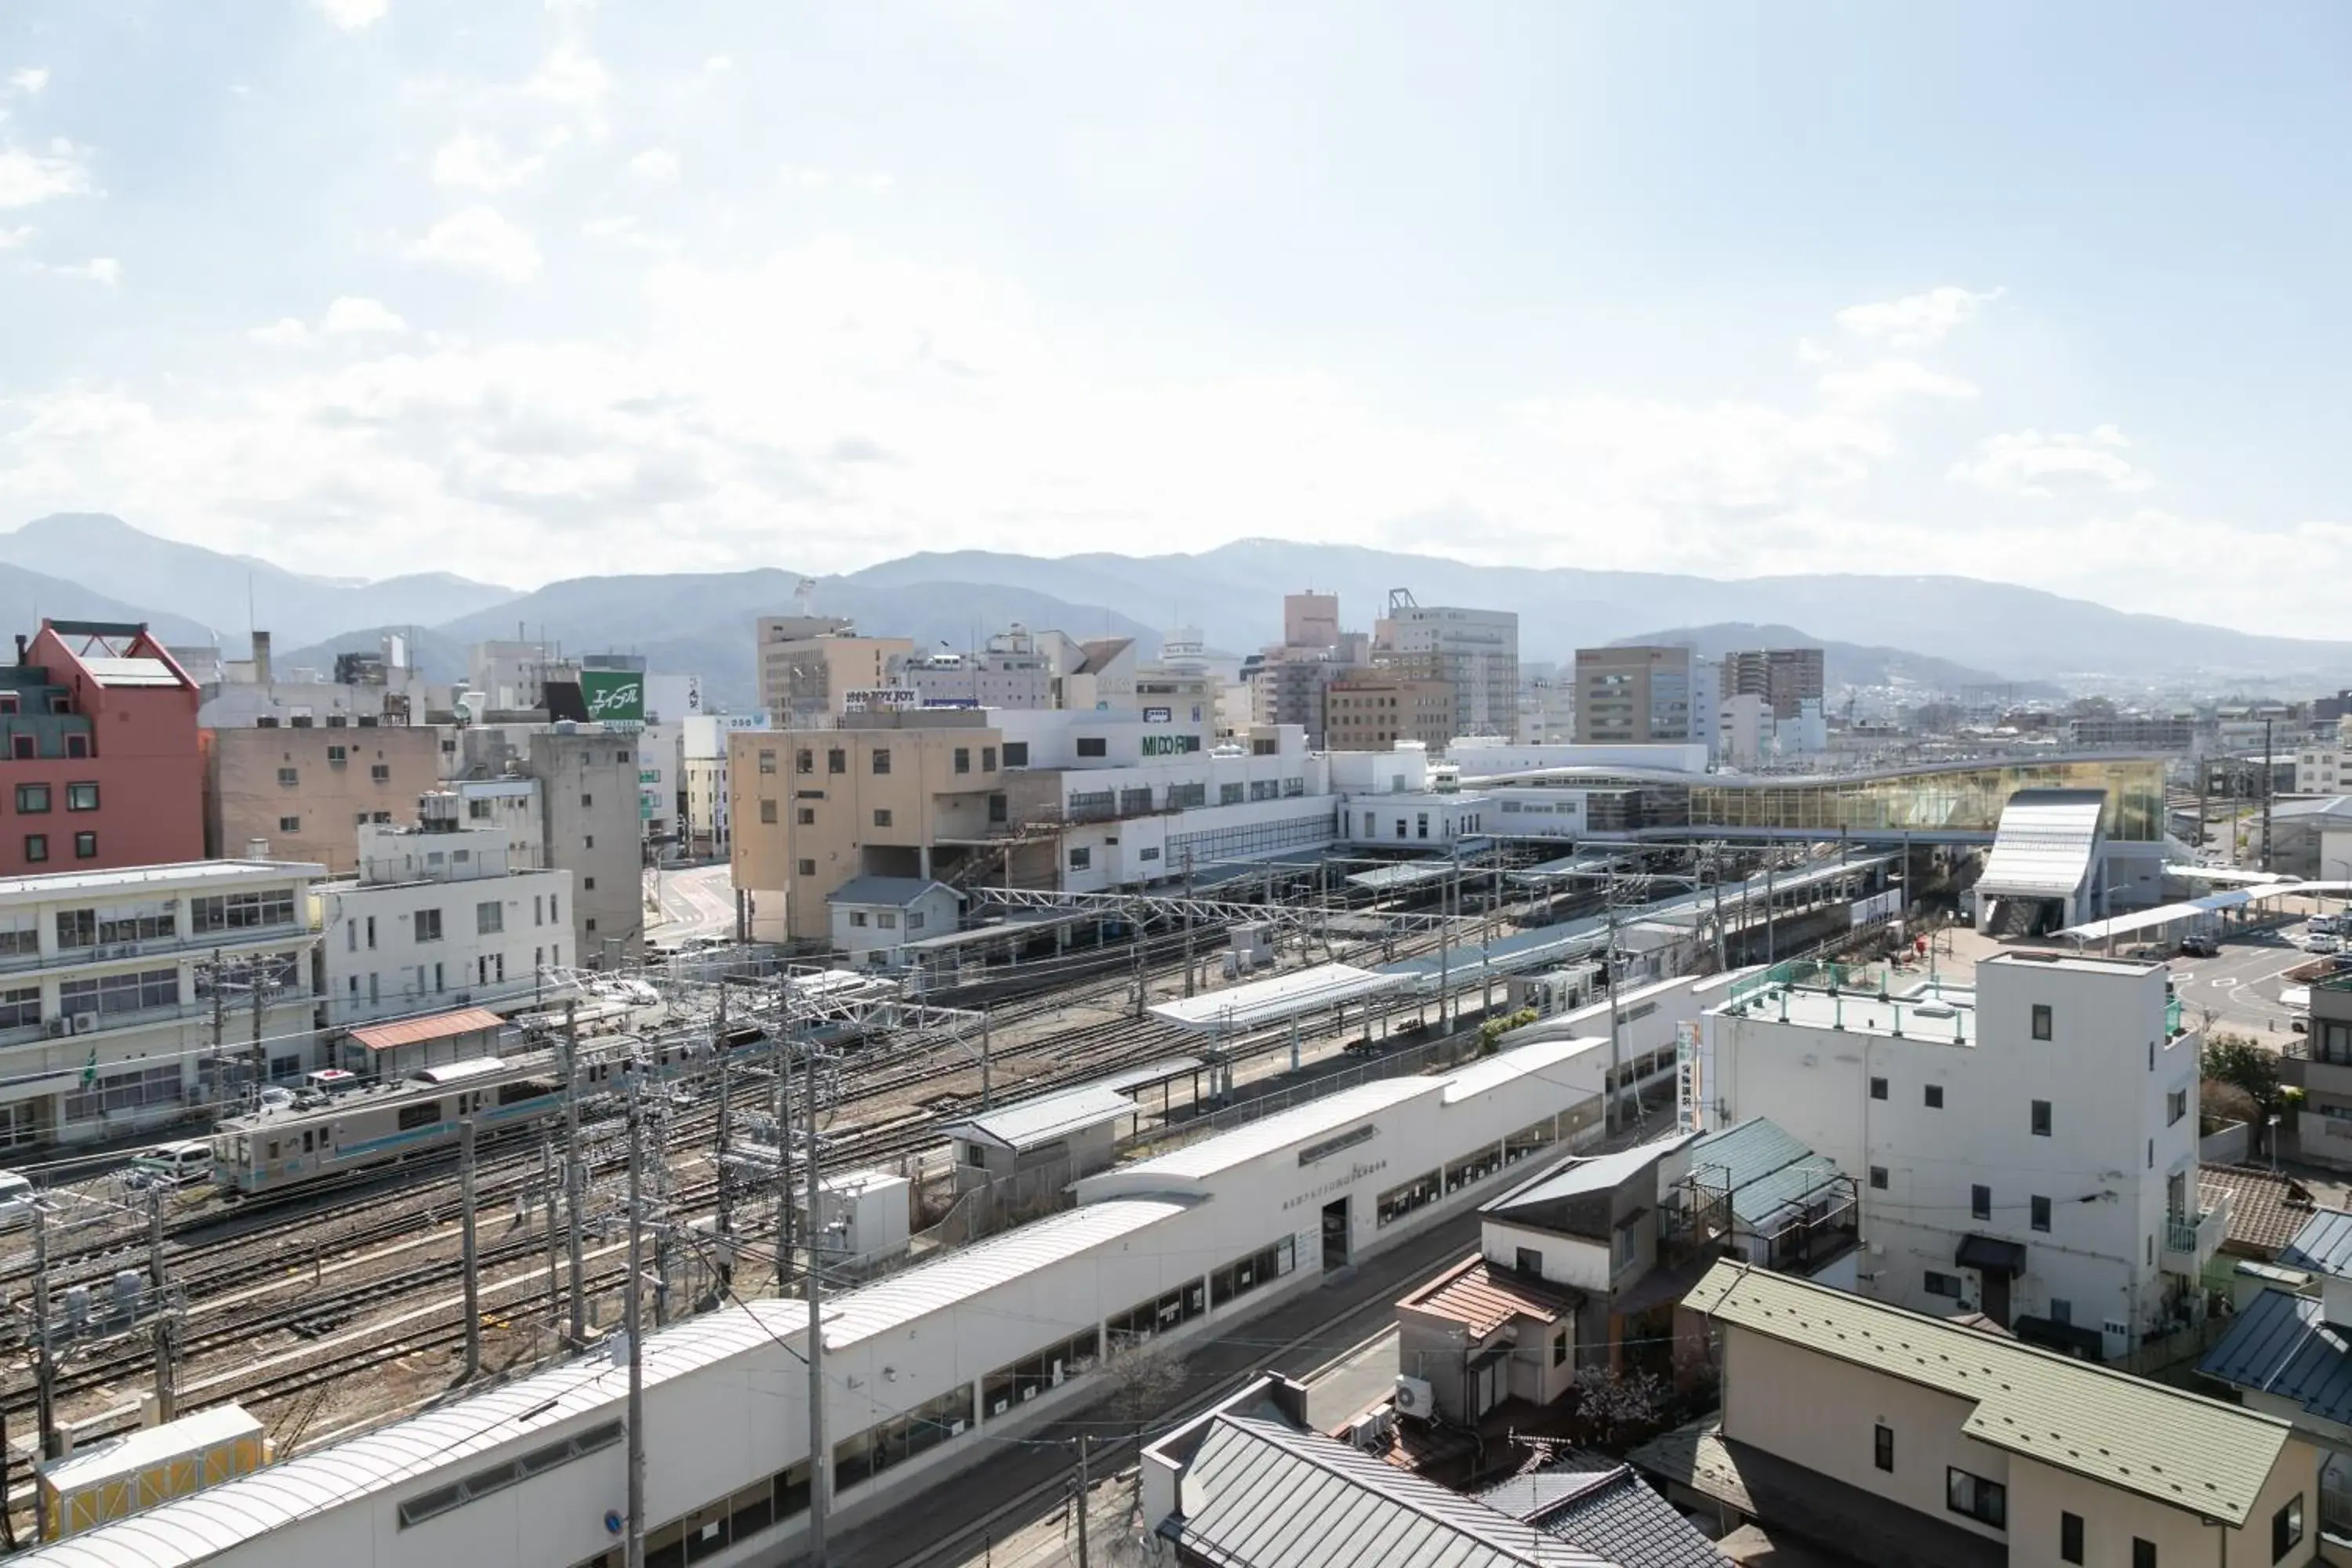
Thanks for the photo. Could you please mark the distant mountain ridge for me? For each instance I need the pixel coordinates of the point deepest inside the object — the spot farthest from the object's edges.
(1937, 632)
(1843, 664)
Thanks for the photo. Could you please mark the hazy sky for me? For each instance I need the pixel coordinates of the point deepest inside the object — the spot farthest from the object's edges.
(2048, 293)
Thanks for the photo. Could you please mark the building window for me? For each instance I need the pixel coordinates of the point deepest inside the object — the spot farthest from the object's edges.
(1935, 1097)
(1559, 1347)
(428, 925)
(2286, 1527)
(988, 758)
(881, 759)
(1945, 1285)
(37, 846)
(81, 797)
(804, 760)
(490, 918)
(914, 919)
(2041, 1020)
(1528, 1260)
(588, 884)
(2175, 1106)
(289, 777)
(1093, 746)
(2041, 1119)
(804, 867)
(768, 813)
(1081, 859)
(886, 919)
(1878, 1089)
(380, 772)
(882, 816)
(290, 825)
(32, 799)
(1976, 1497)
(2143, 1553)
(1981, 1203)
(963, 759)
(805, 816)
(587, 841)
(857, 918)
(1882, 1448)
(1878, 1178)
(837, 760)
(586, 800)
(2070, 1538)
(2042, 1214)
(1016, 754)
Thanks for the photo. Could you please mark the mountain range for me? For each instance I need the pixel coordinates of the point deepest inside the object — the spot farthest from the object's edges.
(1939, 633)
(1843, 664)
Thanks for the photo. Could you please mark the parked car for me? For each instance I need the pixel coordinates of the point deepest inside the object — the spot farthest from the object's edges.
(2322, 925)
(2321, 943)
(177, 1164)
(2197, 945)
(17, 1197)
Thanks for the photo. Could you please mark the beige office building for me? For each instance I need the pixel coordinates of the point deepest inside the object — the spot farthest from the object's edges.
(1371, 709)
(1635, 696)
(808, 663)
(910, 795)
(299, 789)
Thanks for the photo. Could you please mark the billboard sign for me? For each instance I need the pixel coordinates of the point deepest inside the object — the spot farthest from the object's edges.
(613, 696)
(1160, 715)
(880, 699)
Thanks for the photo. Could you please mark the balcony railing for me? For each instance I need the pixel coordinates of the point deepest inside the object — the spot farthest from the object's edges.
(2191, 1240)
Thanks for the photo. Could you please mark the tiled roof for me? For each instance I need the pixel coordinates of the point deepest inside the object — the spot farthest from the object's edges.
(2265, 1208)
(2281, 1345)
(1483, 1297)
(2122, 1431)
(1625, 1521)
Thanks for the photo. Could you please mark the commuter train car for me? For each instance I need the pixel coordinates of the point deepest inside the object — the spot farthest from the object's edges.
(279, 1148)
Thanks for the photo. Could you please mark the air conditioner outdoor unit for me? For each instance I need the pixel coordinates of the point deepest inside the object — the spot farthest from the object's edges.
(1414, 1397)
(83, 1023)
(56, 1027)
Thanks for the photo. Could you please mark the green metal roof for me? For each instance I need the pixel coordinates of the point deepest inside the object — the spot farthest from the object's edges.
(2176, 1447)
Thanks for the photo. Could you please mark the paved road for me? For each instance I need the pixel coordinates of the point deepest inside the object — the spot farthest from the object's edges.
(2241, 986)
(698, 901)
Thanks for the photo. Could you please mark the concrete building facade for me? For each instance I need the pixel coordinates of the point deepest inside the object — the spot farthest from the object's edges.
(1783, 677)
(1475, 651)
(1633, 696)
(107, 1005)
(301, 790)
(1370, 709)
(805, 672)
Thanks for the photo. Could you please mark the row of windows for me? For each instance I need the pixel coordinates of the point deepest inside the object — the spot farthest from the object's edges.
(37, 846)
(1248, 843)
(887, 920)
(1010, 1386)
(34, 799)
(1980, 1203)
(125, 1091)
(290, 778)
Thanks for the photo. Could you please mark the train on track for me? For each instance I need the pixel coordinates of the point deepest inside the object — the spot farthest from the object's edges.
(279, 1148)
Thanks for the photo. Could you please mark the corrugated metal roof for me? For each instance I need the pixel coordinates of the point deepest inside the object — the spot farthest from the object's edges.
(1275, 998)
(1046, 1118)
(438, 1027)
(2043, 847)
(1483, 1297)
(957, 1276)
(1410, 874)
(1625, 1521)
(2280, 1344)
(1507, 1067)
(130, 672)
(151, 1446)
(1278, 1132)
(1269, 1497)
(1765, 1167)
(2122, 1431)
(2324, 1245)
(1577, 1176)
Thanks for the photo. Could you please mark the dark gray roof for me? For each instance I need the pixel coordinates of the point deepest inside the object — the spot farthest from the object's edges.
(895, 892)
(1261, 1494)
(1630, 1525)
(1582, 1176)
(2280, 1345)
(1534, 1492)
(2324, 1245)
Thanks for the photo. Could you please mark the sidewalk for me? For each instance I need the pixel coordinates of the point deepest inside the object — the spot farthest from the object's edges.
(960, 1519)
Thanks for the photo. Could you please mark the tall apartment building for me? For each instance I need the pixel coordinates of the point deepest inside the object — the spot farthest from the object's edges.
(1310, 620)
(512, 677)
(1783, 676)
(1635, 696)
(98, 727)
(1371, 709)
(1475, 651)
(2028, 1146)
(709, 812)
(588, 818)
(107, 1004)
(1291, 686)
(439, 918)
(300, 791)
(901, 795)
(808, 664)
(1547, 705)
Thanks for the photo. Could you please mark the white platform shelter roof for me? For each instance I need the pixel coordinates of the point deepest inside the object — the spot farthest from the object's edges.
(2045, 845)
(1276, 997)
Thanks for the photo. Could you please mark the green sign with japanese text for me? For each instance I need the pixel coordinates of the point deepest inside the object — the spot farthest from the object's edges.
(613, 696)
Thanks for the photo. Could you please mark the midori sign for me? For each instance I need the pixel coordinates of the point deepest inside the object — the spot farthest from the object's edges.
(613, 696)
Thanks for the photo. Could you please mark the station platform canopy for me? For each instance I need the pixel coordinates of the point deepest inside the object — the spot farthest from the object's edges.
(1584, 864)
(1276, 998)
(1015, 925)
(434, 1027)
(1046, 1119)
(2194, 909)
(1405, 874)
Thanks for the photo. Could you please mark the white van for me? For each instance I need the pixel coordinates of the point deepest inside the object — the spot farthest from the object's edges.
(174, 1164)
(16, 1198)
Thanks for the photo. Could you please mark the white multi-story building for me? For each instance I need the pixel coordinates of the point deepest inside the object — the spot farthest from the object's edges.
(438, 917)
(2321, 769)
(513, 806)
(702, 745)
(2028, 1146)
(108, 1013)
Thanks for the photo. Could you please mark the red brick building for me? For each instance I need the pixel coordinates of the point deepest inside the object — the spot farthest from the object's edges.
(98, 760)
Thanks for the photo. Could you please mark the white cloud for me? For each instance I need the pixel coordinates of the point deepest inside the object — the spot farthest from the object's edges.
(477, 239)
(286, 331)
(28, 80)
(801, 177)
(571, 79)
(1915, 320)
(103, 269)
(657, 164)
(28, 177)
(350, 15)
(473, 161)
(2028, 463)
(353, 314)
(10, 239)
(805, 177)
(718, 65)
(1885, 381)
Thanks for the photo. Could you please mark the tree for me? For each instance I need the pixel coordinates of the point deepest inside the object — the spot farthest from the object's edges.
(2242, 1065)
(1618, 1408)
(1491, 1032)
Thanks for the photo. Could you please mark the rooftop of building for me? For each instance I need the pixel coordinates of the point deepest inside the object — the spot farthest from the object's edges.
(2323, 1245)
(186, 876)
(1483, 1297)
(2160, 1442)
(2281, 1344)
(1929, 1011)
(1045, 1120)
(2267, 1208)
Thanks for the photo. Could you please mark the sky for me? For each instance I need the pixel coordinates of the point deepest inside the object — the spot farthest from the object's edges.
(535, 288)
